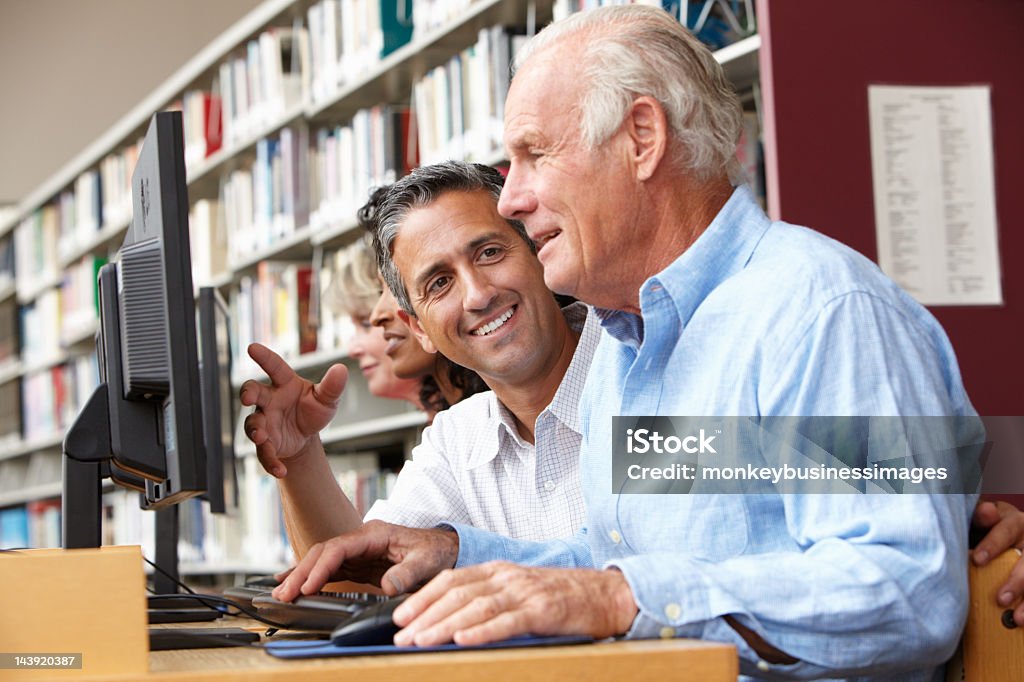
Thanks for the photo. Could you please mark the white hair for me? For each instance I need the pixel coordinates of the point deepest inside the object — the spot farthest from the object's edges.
(639, 50)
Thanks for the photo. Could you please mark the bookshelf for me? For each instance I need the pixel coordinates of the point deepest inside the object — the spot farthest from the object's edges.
(275, 191)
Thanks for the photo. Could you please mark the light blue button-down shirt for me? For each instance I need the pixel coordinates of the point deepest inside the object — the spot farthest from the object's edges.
(767, 319)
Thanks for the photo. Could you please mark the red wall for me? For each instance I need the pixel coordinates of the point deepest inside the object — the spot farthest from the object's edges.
(817, 59)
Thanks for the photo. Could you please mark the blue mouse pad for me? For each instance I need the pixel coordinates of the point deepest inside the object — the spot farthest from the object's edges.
(313, 649)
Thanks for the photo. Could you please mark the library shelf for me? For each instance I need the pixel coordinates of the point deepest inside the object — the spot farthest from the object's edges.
(106, 238)
(391, 79)
(203, 177)
(30, 290)
(302, 364)
(10, 370)
(35, 492)
(294, 246)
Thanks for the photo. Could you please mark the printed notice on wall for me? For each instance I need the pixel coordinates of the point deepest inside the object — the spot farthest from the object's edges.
(934, 187)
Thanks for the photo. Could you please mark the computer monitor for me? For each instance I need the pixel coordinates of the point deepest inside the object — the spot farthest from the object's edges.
(145, 425)
(219, 404)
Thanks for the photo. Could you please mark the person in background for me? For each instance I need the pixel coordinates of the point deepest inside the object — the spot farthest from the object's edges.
(444, 382)
(356, 291)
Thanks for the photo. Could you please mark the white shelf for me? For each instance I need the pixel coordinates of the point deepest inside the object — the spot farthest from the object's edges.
(36, 492)
(341, 232)
(9, 370)
(301, 364)
(8, 289)
(83, 334)
(106, 235)
(8, 220)
(373, 427)
(368, 427)
(44, 363)
(209, 568)
(294, 246)
(31, 291)
(740, 61)
(27, 447)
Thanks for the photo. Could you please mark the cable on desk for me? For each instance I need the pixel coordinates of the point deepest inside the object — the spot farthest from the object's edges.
(204, 598)
(168, 576)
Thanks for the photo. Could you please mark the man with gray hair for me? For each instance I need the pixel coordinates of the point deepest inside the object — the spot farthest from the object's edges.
(621, 129)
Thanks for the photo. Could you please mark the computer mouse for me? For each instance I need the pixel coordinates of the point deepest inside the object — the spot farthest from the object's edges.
(372, 625)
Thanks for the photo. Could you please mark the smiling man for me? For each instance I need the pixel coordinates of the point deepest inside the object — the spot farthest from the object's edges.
(504, 460)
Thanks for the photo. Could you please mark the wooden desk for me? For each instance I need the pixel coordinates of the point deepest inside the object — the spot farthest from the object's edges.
(637, 660)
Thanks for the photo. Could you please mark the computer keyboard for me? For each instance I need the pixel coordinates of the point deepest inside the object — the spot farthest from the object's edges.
(244, 594)
(321, 612)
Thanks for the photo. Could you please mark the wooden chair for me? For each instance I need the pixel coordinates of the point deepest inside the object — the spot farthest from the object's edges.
(992, 649)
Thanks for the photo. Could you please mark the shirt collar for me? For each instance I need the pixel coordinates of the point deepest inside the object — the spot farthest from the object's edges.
(723, 249)
(500, 426)
(565, 405)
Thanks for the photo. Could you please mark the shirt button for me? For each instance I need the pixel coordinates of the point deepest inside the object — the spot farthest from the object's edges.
(667, 633)
(763, 666)
(614, 535)
(549, 485)
(673, 611)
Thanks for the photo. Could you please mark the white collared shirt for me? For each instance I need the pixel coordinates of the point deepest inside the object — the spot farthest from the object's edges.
(472, 467)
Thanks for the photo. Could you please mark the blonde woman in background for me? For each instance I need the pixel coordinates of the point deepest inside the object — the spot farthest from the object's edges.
(355, 290)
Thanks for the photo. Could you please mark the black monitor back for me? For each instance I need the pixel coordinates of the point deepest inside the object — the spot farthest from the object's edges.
(151, 361)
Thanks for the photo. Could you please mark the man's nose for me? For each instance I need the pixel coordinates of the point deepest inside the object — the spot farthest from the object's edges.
(516, 199)
(478, 292)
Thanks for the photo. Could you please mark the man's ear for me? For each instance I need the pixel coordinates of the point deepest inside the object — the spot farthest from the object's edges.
(413, 324)
(647, 127)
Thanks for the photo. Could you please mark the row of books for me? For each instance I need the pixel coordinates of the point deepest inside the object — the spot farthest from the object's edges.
(201, 122)
(58, 231)
(716, 23)
(460, 105)
(334, 326)
(429, 15)
(79, 301)
(116, 184)
(60, 317)
(51, 398)
(35, 524)
(291, 184)
(265, 78)
(269, 200)
(272, 308)
(346, 162)
(40, 329)
(35, 248)
(348, 37)
(208, 237)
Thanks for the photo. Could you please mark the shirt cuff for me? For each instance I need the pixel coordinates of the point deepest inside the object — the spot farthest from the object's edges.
(476, 546)
(672, 601)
